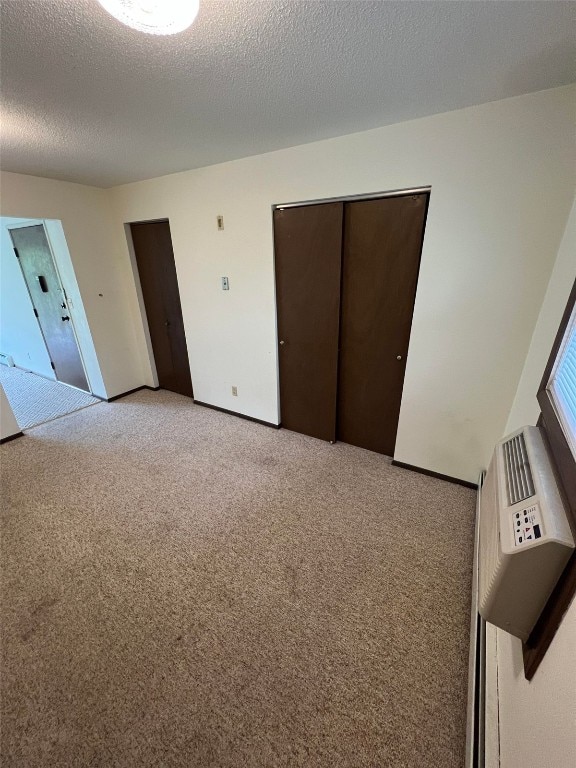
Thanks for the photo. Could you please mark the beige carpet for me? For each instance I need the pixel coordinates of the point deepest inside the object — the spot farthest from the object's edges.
(184, 588)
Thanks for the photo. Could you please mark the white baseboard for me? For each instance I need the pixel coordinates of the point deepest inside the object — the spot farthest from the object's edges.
(482, 726)
(491, 702)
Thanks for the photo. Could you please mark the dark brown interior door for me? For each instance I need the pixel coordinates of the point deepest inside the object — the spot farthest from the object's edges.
(381, 257)
(307, 245)
(157, 270)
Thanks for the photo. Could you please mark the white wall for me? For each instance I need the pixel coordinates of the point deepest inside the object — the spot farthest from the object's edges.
(8, 424)
(538, 719)
(104, 278)
(502, 177)
(20, 334)
(525, 409)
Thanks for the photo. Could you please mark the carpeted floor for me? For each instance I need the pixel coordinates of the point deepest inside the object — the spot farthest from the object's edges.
(185, 588)
(36, 400)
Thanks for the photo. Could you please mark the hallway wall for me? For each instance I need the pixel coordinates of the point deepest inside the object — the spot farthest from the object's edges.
(8, 424)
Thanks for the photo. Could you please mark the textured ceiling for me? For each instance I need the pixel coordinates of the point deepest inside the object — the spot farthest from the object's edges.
(90, 100)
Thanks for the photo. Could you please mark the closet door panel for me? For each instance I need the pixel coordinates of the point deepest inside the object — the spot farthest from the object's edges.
(381, 257)
(308, 248)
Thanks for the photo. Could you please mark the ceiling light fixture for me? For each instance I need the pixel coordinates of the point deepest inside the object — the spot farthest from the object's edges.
(156, 17)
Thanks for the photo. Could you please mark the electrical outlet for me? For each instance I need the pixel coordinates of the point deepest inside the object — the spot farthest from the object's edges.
(225, 284)
(235, 391)
(220, 222)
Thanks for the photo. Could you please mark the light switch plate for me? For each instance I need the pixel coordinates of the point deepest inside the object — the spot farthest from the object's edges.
(225, 284)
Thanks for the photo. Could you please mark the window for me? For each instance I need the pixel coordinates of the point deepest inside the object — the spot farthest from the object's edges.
(562, 385)
(557, 399)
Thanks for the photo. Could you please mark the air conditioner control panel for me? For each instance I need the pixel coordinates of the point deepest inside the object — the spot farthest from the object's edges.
(527, 525)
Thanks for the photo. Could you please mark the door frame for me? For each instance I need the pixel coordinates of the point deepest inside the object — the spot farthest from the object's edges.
(356, 198)
(404, 192)
(70, 309)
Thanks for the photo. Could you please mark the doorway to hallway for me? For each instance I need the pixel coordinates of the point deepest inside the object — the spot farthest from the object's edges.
(46, 347)
(36, 400)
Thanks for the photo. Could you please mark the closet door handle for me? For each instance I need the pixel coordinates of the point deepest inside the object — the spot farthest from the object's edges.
(281, 343)
(398, 357)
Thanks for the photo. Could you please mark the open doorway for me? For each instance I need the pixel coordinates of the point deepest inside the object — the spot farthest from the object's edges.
(42, 372)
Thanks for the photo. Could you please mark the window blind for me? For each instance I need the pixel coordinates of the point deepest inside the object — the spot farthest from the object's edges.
(563, 385)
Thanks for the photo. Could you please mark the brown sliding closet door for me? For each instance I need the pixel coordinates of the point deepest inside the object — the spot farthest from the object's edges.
(307, 245)
(381, 257)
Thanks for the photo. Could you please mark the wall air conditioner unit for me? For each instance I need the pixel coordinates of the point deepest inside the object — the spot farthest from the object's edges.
(525, 537)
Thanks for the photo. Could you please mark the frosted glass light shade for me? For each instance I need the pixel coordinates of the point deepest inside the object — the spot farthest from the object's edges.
(156, 17)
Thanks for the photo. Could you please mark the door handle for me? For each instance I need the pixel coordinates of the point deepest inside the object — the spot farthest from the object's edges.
(167, 323)
(66, 317)
(281, 343)
(398, 357)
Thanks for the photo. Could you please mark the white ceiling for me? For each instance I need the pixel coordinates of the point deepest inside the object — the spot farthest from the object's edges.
(87, 99)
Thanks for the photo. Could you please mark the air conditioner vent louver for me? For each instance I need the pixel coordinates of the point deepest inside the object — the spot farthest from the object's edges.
(519, 482)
